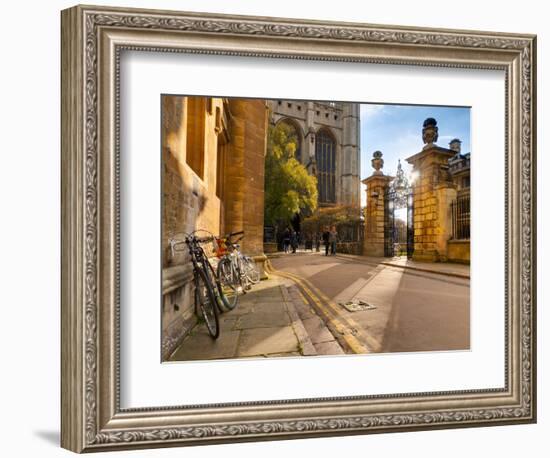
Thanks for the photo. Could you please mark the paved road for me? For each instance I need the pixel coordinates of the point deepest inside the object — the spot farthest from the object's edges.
(411, 311)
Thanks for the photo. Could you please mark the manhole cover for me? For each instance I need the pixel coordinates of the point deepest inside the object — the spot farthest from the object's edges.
(357, 306)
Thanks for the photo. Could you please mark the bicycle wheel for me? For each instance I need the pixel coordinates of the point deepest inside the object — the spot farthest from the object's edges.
(229, 283)
(241, 273)
(250, 270)
(206, 301)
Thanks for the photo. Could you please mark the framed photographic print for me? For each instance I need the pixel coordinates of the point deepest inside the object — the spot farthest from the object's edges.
(278, 228)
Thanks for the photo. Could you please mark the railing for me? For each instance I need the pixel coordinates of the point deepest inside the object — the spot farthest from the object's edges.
(460, 210)
(350, 232)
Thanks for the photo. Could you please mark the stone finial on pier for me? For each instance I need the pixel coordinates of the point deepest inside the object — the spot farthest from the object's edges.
(430, 132)
(377, 163)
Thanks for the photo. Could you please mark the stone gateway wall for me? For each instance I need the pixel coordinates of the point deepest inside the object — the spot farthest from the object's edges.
(438, 173)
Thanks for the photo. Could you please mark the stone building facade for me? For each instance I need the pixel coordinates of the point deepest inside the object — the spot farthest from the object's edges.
(329, 145)
(459, 166)
(213, 153)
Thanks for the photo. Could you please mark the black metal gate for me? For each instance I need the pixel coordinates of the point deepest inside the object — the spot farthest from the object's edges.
(410, 224)
(397, 234)
(389, 222)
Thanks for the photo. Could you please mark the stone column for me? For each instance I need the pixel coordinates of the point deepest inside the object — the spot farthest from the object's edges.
(433, 192)
(244, 192)
(308, 148)
(350, 155)
(377, 183)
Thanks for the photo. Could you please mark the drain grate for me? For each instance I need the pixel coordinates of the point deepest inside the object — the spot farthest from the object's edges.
(357, 305)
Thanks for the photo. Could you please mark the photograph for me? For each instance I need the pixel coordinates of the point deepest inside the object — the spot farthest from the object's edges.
(298, 228)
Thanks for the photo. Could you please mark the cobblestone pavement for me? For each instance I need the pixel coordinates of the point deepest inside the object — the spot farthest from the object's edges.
(272, 319)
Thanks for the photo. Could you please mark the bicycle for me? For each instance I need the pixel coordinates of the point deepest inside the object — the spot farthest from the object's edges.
(209, 294)
(227, 271)
(235, 269)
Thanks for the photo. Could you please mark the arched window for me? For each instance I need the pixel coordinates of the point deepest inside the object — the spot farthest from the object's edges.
(295, 132)
(325, 156)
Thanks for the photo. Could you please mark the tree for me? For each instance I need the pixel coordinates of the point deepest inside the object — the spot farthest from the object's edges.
(289, 188)
(338, 215)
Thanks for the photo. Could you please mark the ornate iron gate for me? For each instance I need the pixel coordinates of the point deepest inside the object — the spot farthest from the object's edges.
(399, 194)
(389, 222)
(410, 223)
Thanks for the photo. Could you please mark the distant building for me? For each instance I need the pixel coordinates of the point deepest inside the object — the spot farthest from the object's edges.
(459, 169)
(328, 145)
(459, 166)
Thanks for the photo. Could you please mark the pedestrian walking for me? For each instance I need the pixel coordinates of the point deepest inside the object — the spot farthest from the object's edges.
(318, 242)
(286, 240)
(294, 241)
(309, 242)
(333, 236)
(325, 236)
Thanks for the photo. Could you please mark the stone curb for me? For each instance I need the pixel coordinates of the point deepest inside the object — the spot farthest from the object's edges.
(431, 271)
(308, 349)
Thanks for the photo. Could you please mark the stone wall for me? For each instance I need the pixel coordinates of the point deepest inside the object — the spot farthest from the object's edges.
(459, 251)
(189, 202)
(194, 200)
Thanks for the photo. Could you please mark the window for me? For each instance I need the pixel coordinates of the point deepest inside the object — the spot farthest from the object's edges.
(325, 156)
(194, 152)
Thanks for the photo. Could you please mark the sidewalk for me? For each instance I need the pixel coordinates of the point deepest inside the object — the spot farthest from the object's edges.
(270, 320)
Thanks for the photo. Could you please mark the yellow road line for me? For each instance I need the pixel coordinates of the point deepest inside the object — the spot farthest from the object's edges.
(304, 300)
(346, 327)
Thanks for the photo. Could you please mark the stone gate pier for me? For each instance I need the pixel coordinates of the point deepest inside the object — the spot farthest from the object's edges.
(433, 192)
(376, 186)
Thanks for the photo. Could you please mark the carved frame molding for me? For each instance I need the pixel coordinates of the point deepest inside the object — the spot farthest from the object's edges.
(92, 40)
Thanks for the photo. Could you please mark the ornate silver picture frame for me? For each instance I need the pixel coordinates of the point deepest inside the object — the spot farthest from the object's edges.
(93, 39)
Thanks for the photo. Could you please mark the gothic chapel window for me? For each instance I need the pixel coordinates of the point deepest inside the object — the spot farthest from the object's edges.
(325, 157)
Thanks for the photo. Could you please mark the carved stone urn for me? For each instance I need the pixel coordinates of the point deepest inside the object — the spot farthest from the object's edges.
(377, 163)
(429, 132)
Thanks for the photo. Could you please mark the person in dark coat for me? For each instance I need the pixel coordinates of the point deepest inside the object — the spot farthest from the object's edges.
(317, 242)
(326, 236)
(286, 239)
(294, 241)
(333, 238)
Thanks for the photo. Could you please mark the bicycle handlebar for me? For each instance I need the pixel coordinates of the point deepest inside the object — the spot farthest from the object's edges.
(210, 238)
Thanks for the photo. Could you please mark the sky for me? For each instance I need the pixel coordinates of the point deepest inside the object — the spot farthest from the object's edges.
(396, 131)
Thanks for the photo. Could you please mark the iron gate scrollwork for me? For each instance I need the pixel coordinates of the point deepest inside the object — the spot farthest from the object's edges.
(399, 234)
(389, 222)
